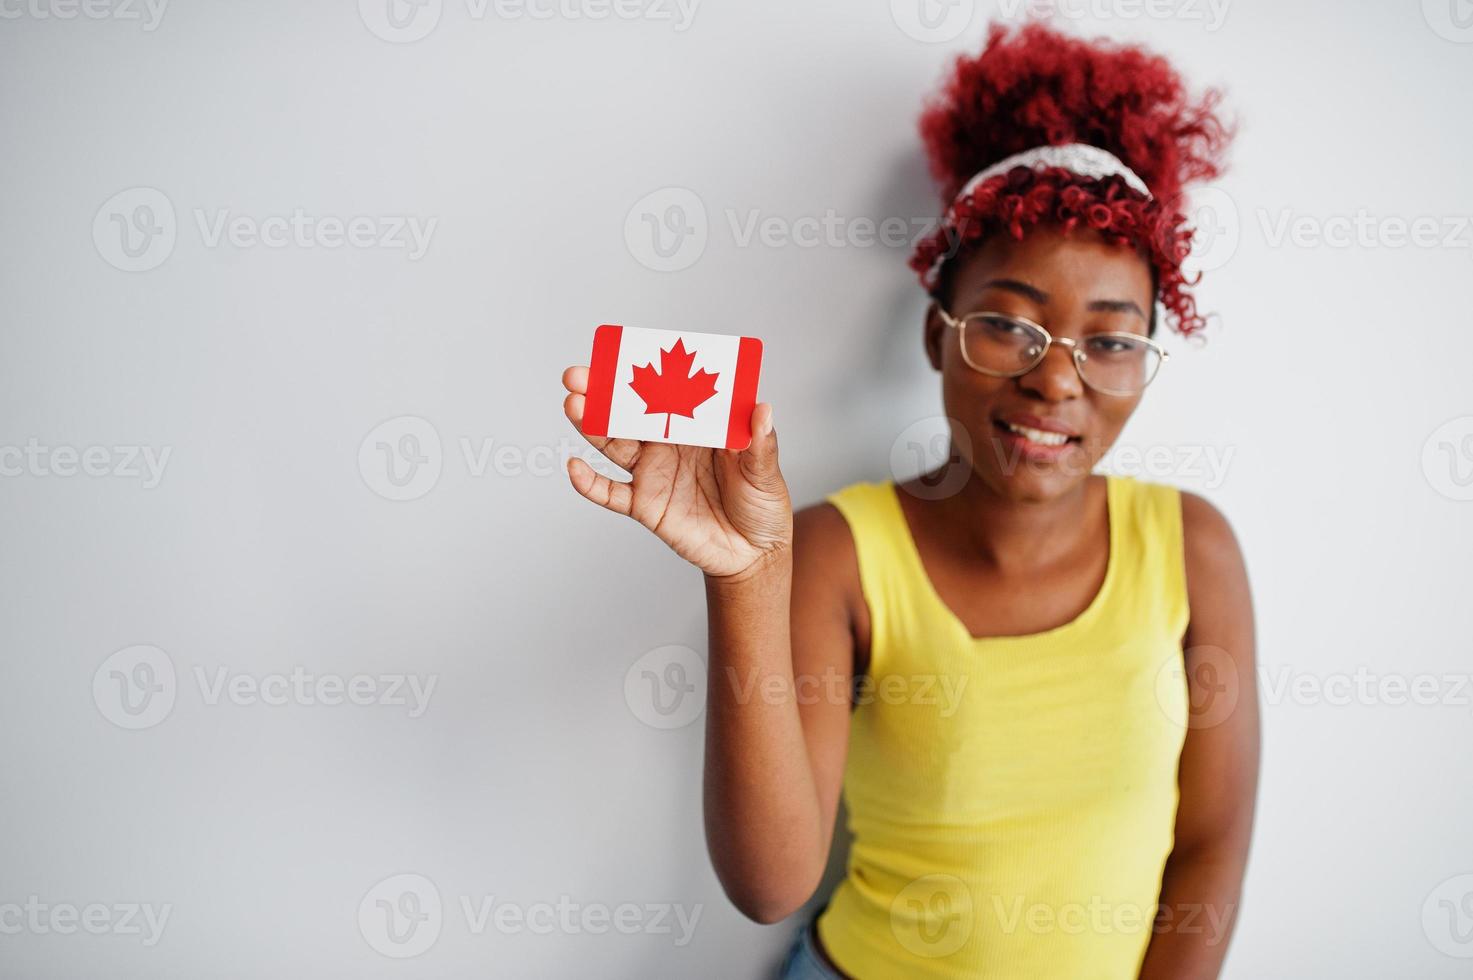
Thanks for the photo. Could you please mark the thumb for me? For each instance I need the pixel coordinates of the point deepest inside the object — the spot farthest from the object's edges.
(759, 459)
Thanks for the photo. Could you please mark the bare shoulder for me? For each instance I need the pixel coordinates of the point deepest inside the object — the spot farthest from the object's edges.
(824, 528)
(1216, 573)
(823, 549)
(826, 586)
(1207, 535)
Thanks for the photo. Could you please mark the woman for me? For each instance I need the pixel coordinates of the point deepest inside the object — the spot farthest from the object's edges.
(1034, 684)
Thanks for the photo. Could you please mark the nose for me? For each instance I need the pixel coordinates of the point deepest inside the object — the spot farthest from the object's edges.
(1054, 378)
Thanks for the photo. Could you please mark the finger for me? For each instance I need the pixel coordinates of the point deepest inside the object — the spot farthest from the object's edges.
(620, 452)
(759, 460)
(575, 379)
(609, 494)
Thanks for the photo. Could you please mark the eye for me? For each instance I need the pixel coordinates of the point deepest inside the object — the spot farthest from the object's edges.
(1112, 345)
(1004, 325)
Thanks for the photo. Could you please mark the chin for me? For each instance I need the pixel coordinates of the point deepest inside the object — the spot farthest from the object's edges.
(1034, 478)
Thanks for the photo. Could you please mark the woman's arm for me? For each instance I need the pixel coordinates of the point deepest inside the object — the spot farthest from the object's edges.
(780, 590)
(1218, 774)
(777, 719)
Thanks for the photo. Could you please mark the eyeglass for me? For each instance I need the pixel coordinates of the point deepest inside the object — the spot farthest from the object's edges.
(1007, 346)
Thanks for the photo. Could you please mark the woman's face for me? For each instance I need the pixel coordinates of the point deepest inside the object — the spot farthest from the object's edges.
(1073, 285)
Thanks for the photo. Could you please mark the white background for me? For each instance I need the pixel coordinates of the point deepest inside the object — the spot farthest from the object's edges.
(271, 543)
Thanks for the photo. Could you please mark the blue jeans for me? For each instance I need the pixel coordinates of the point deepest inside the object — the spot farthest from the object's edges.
(803, 960)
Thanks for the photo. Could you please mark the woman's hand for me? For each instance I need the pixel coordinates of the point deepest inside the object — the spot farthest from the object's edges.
(725, 511)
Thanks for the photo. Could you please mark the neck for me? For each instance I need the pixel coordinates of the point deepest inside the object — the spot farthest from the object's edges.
(1011, 534)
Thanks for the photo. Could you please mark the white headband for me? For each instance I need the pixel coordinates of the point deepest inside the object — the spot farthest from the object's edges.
(1079, 158)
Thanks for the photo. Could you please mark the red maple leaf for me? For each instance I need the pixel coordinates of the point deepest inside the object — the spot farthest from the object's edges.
(673, 390)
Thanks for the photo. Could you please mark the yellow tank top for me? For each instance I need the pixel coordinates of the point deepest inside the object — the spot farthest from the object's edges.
(1012, 799)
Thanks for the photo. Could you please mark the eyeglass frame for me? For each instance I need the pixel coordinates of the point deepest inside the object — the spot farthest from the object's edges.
(1077, 356)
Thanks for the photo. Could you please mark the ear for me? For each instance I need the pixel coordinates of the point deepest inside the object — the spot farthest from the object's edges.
(935, 333)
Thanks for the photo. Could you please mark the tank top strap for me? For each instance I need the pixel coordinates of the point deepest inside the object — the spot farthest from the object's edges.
(1153, 554)
(890, 574)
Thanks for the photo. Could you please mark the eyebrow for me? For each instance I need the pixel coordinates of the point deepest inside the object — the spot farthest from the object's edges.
(1040, 297)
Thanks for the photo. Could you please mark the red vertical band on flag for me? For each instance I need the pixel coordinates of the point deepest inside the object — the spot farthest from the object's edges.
(744, 393)
(602, 367)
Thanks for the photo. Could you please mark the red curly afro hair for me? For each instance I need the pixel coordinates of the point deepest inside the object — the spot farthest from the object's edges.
(1033, 86)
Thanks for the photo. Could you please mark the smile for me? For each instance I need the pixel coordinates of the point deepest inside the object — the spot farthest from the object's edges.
(1037, 436)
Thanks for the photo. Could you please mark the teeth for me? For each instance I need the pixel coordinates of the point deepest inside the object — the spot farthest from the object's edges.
(1038, 435)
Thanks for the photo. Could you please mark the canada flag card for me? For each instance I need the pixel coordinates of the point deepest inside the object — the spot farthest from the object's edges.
(695, 389)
